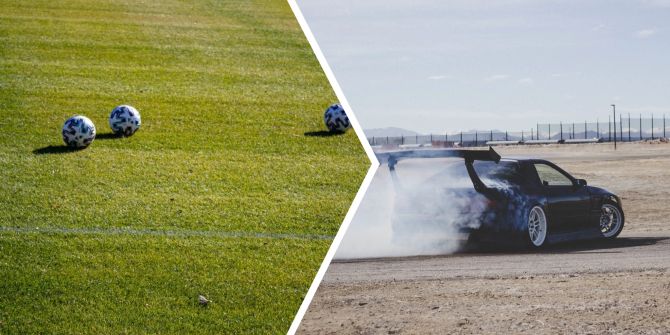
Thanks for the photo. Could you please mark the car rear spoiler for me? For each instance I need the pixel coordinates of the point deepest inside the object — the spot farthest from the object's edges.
(391, 158)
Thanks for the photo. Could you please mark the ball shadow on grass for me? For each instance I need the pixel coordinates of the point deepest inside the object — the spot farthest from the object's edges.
(107, 136)
(64, 149)
(323, 133)
(56, 149)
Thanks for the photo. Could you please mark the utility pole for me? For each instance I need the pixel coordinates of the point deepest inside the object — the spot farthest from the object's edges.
(614, 120)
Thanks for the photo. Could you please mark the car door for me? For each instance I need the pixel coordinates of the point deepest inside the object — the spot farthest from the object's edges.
(568, 202)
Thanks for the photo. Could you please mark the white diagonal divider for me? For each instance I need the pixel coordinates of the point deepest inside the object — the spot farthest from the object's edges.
(366, 181)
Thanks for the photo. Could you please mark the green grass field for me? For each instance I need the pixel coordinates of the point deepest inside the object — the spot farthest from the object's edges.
(220, 192)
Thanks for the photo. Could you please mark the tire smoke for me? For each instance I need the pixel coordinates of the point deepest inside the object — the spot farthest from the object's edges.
(420, 211)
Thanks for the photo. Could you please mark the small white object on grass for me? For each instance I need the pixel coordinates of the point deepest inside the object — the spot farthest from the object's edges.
(202, 300)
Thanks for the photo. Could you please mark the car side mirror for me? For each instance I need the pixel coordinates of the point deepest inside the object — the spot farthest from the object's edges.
(581, 182)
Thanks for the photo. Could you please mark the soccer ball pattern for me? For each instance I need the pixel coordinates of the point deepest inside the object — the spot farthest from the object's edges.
(336, 119)
(78, 132)
(125, 120)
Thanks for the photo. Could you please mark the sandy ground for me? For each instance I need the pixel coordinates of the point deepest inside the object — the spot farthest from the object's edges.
(606, 287)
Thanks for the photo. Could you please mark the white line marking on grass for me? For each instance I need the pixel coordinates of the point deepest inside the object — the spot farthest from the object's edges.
(154, 232)
(366, 182)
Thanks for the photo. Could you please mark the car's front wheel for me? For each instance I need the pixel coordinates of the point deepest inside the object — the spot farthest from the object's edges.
(537, 226)
(611, 220)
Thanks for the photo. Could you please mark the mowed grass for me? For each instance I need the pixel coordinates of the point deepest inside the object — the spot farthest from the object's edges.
(220, 193)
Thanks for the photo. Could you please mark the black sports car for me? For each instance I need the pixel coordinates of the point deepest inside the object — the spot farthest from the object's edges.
(503, 200)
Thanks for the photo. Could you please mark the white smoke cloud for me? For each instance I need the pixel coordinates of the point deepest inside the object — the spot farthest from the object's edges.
(420, 214)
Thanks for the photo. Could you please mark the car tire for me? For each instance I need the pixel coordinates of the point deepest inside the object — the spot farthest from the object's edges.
(537, 227)
(611, 220)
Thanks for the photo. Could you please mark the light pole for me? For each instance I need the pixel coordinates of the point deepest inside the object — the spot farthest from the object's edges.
(614, 111)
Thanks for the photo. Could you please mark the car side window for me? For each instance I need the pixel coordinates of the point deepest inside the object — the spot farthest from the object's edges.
(551, 177)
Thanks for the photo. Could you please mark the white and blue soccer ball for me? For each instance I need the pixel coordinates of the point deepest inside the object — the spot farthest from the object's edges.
(336, 119)
(78, 132)
(125, 120)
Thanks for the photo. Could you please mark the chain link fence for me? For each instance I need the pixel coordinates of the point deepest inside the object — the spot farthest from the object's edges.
(625, 129)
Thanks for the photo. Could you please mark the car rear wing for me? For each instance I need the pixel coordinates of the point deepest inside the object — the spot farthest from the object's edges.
(391, 158)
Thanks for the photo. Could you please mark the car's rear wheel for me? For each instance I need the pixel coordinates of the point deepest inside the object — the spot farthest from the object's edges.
(537, 226)
(611, 220)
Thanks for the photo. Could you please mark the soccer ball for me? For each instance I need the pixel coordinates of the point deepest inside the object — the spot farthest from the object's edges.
(125, 120)
(336, 119)
(78, 132)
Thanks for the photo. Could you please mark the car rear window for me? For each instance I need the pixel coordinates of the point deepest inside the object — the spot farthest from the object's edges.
(492, 173)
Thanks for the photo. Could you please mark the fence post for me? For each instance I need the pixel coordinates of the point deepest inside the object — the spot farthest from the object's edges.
(476, 138)
(373, 140)
(620, 127)
(522, 136)
(664, 125)
(491, 136)
(561, 125)
(573, 130)
(506, 139)
(586, 131)
(629, 127)
(402, 139)
(598, 128)
(609, 129)
(549, 135)
(652, 127)
(640, 126)
(461, 138)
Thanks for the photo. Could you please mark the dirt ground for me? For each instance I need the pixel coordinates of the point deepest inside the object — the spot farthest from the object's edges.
(602, 303)
(618, 287)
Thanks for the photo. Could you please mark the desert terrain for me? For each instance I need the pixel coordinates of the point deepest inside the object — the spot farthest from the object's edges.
(620, 286)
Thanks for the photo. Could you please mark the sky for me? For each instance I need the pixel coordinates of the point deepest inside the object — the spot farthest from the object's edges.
(436, 65)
